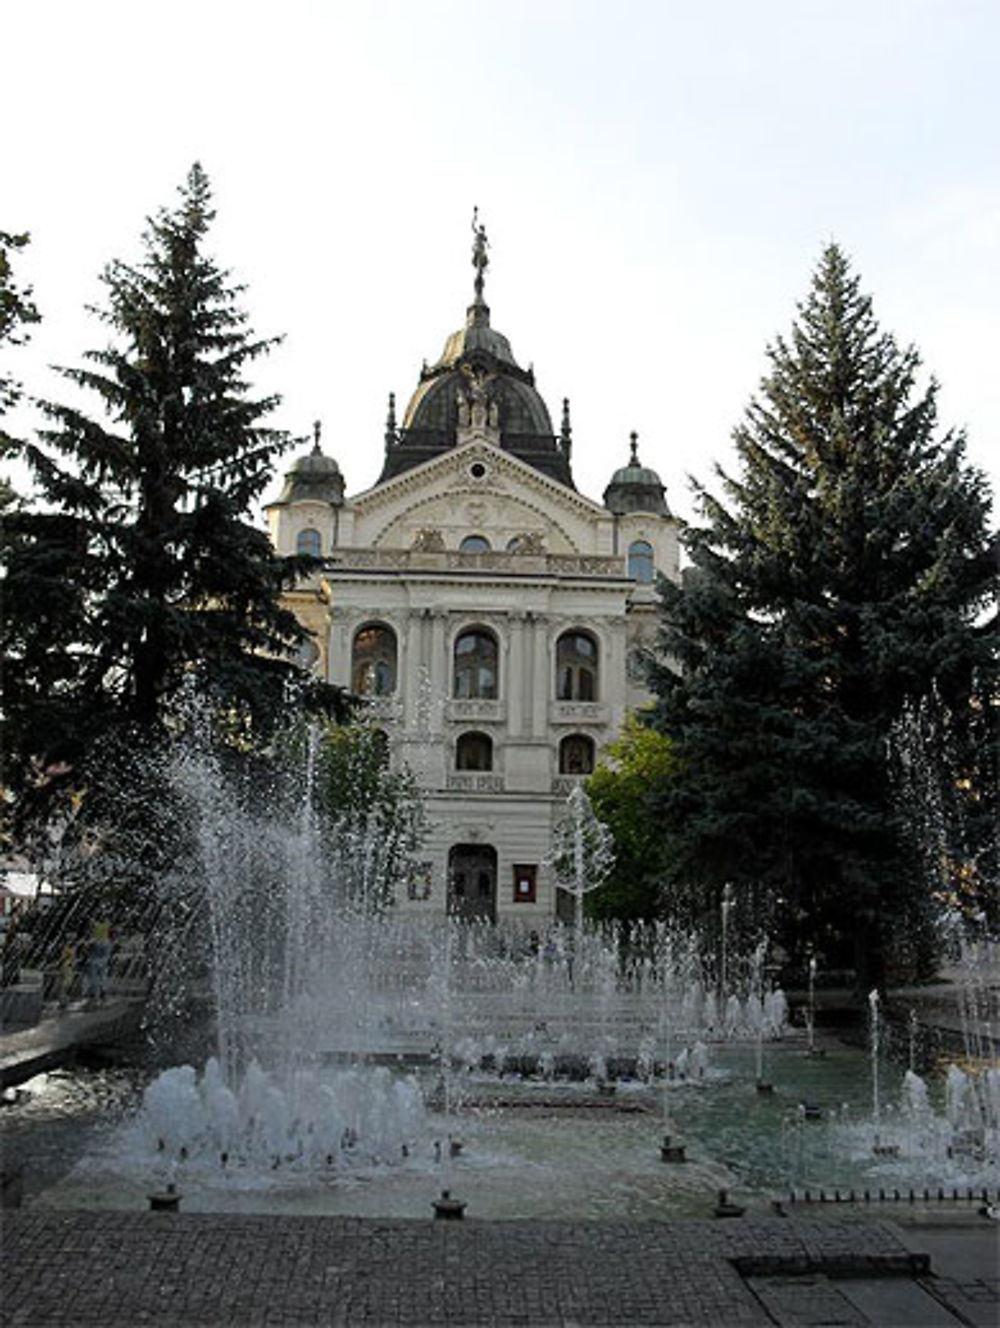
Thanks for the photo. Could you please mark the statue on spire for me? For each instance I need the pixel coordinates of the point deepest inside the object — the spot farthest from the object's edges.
(480, 258)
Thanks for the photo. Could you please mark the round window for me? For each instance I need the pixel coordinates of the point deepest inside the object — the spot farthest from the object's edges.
(477, 470)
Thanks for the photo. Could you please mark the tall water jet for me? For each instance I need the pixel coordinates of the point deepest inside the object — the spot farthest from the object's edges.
(874, 1006)
(292, 901)
(811, 1007)
(756, 1002)
(725, 908)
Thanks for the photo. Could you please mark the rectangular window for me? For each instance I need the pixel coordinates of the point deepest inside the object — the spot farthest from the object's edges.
(524, 883)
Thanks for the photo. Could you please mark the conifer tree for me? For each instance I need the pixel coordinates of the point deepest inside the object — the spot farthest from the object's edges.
(138, 567)
(17, 311)
(847, 572)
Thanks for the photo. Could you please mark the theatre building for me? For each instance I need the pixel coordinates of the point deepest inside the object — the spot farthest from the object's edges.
(487, 610)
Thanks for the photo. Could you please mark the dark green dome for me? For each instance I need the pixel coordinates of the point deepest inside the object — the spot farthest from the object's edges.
(635, 488)
(314, 477)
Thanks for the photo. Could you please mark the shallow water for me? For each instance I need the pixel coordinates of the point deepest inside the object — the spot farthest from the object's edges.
(528, 1149)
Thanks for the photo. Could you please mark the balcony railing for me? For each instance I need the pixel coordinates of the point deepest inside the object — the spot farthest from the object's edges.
(473, 781)
(451, 560)
(462, 711)
(579, 712)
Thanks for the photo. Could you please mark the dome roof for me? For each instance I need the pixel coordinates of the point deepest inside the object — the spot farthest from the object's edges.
(313, 477)
(635, 488)
(477, 368)
(476, 335)
(471, 360)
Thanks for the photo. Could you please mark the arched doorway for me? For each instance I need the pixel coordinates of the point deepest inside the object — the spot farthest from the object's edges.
(472, 883)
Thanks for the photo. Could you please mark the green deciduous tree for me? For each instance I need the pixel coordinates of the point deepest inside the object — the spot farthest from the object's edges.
(621, 791)
(375, 814)
(139, 565)
(847, 572)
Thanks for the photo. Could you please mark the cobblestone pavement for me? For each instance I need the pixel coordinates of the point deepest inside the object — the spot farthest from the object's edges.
(113, 1269)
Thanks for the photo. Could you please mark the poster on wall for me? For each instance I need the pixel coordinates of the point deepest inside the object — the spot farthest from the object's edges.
(524, 883)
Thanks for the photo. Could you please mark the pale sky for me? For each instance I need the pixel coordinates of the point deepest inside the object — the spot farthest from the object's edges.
(657, 181)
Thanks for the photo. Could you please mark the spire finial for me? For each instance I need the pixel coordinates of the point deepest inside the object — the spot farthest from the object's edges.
(566, 432)
(634, 440)
(390, 423)
(480, 258)
(317, 431)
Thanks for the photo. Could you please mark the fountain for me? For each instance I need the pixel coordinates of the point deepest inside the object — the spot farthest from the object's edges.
(350, 1041)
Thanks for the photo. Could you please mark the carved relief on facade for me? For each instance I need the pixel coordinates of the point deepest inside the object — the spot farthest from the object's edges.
(528, 542)
(475, 832)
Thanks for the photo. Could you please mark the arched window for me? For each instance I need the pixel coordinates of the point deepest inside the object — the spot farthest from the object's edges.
(474, 544)
(373, 661)
(576, 755)
(476, 665)
(309, 542)
(474, 751)
(640, 561)
(576, 667)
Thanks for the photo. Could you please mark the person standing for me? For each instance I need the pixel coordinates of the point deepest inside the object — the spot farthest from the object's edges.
(67, 973)
(97, 961)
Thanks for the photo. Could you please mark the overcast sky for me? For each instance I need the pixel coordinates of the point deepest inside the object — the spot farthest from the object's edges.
(657, 181)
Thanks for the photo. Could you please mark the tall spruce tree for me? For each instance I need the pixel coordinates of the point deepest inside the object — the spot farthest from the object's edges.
(17, 312)
(847, 573)
(138, 567)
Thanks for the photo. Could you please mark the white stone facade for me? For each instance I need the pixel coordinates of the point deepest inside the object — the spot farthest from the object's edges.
(482, 661)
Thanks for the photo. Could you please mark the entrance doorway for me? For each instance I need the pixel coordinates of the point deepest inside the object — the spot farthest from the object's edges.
(472, 883)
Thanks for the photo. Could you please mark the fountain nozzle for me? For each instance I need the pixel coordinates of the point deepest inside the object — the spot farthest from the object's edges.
(448, 1209)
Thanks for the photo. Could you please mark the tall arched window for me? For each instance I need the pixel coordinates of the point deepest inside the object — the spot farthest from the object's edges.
(476, 665)
(640, 561)
(576, 667)
(373, 661)
(308, 541)
(576, 755)
(474, 751)
(474, 544)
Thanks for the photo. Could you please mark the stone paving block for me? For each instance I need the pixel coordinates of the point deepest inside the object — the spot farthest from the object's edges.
(118, 1269)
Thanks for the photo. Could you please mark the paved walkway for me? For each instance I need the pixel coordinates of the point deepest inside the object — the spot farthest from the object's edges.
(113, 1269)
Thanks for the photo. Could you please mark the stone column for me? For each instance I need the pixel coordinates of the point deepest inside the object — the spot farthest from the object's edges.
(541, 683)
(518, 691)
(338, 665)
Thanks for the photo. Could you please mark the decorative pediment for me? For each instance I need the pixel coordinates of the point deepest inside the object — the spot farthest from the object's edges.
(479, 488)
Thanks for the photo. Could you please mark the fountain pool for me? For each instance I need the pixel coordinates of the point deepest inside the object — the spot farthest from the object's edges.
(352, 1048)
(558, 1149)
